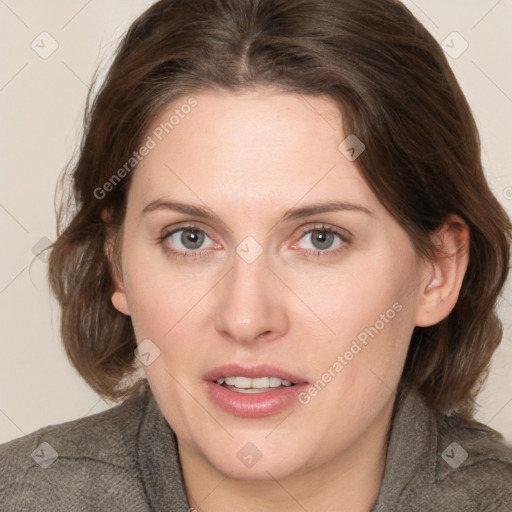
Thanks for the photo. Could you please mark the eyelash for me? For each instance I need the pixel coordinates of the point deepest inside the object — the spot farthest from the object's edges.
(345, 241)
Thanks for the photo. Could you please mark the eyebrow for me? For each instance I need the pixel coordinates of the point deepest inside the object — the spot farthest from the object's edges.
(291, 214)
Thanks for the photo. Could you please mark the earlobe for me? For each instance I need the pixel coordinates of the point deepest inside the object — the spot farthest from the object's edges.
(118, 298)
(443, 279)
(119, 301)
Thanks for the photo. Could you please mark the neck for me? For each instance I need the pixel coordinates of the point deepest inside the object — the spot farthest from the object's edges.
(349, 481)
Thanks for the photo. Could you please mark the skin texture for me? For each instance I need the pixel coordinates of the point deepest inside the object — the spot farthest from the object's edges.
(248, 158)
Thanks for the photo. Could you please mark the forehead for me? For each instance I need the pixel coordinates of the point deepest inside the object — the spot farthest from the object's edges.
(253, 150)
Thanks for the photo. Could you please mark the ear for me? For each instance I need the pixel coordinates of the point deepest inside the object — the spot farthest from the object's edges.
(444, 274)
(118, 298)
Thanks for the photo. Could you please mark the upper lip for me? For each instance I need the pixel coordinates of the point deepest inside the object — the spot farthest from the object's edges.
(253, 371)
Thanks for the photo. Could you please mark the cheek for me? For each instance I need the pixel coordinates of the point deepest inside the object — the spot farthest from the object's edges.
(367, 310)
(159, 293)
(353, 297)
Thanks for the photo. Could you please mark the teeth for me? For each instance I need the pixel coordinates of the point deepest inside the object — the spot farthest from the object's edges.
(239, 382)
(257, 383)
(274, 382)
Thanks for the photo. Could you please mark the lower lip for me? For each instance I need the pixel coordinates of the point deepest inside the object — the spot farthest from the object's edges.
(254, 405)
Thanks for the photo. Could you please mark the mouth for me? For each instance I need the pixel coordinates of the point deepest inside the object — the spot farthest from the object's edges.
(253, 379)
(241, 384)
(253, 391)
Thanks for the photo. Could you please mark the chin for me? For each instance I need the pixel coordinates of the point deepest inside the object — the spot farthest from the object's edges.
(246, 460)
(268, 469)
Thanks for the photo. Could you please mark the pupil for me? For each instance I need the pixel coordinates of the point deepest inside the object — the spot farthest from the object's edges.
(193, 237)
(325, 238)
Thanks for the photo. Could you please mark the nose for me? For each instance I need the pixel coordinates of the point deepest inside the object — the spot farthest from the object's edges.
(250, 303)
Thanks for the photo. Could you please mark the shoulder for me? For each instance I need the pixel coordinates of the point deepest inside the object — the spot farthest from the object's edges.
(78, 464)
(473, 465)
(443, 463)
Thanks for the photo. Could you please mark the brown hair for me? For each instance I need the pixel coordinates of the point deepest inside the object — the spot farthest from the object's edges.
(397, 93)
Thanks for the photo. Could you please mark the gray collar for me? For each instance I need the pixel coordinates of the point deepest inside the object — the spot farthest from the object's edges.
(157, 454)
(412, 445)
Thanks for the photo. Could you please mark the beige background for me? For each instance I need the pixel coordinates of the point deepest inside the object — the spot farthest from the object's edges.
(41, 102)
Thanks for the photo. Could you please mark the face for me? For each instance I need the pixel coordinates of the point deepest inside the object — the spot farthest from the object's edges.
(325, 299)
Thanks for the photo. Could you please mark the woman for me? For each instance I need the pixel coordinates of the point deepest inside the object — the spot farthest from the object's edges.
(281, 213)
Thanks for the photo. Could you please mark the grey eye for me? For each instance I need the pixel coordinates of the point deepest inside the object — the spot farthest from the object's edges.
(190, 239)
(321, 239)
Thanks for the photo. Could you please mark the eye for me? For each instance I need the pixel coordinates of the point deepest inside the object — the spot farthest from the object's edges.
(185, 241)
(323, 240)
(190, 238)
